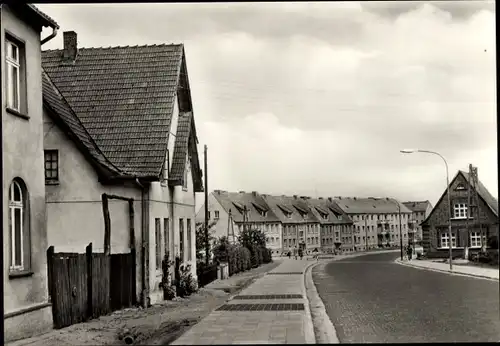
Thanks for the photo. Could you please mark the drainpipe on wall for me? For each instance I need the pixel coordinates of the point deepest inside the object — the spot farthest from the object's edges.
(50, 37)
(144, 244)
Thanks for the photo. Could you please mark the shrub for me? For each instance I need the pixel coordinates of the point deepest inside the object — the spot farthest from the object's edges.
(267, 256)
(187, 284)
(166, 282)
(246, 258)
(493, 242)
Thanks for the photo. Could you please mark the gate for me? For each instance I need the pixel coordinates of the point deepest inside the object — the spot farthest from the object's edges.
(122, 280)
(89, 285)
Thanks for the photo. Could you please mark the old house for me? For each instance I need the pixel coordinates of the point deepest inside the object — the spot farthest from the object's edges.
(468, 222)
(120, 121)
(420, 211)
(376, 221)
(300, 226)
(26, 304)
(335, 225)
(231, 212)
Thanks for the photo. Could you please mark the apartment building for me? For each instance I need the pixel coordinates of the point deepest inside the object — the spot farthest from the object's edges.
(420, 211)
(377, 222)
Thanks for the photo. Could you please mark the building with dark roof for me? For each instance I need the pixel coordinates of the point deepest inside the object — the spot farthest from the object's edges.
(420, 211)
(231, 212)
(335, 225)
(25, 233)
(376, 221)
(472, 225)
(120, 121)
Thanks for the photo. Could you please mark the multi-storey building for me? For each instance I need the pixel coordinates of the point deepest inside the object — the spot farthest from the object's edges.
(300, 226)
(335, 225)
(420, 211)
(230, 212)
(378, 222)
(27, 309)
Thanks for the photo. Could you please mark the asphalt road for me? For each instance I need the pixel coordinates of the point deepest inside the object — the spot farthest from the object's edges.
(372, 299)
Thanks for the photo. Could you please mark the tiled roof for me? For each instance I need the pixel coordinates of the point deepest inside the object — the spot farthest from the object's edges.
(277, 203)
(420, 206)
(124, 96)
(327, 208)
(61, 113)
(483, 192)
(238, 200)
(49, 21)
(355, 205)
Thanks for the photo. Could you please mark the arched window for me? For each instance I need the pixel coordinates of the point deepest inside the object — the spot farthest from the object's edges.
(18, 225)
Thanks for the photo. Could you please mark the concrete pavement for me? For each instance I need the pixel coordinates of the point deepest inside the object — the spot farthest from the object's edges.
(485, 273)
(274, 309)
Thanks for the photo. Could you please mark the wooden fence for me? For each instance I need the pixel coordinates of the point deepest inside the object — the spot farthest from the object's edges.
(89, 285)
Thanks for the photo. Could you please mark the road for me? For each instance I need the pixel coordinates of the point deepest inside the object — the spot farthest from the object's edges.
(372, 299)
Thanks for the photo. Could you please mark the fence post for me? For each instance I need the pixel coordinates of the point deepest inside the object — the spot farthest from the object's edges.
(88, 253)
(50, 278)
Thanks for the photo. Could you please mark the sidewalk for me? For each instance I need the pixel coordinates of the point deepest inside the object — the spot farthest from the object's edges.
(158, 324)
(274, 309)
(487, 273)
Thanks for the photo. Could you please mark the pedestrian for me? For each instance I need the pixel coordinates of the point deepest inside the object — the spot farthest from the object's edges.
(410, 252)
(295, 251)
(301, 253)
(315, 254)
(289, 254)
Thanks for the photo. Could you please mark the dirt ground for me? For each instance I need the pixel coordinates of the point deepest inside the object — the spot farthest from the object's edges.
(158, 325)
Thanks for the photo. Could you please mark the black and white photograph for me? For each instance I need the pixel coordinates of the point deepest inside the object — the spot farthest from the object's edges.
(180, 173)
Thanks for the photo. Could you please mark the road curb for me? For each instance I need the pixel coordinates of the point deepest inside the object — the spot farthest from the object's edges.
(309, 325)
(326, 332)
(446, 271)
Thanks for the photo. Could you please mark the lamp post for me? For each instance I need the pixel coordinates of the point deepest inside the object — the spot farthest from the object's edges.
(410, 151)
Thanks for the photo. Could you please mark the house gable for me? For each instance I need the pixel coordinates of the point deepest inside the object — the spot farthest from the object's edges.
(63, 116)
(439, 214)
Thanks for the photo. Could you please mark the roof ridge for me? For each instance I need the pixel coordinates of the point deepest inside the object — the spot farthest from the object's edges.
(122, 47)
(63, 99)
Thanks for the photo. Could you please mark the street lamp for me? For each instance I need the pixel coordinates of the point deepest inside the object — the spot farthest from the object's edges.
(411, 151)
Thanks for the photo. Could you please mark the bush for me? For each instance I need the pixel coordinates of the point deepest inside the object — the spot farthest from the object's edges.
(493, 242)
(187, 284)
(246, 258)
(166, 281)
(267, 256)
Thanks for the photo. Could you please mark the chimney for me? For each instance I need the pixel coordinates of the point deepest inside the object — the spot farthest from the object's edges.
(295, 196)
(70, 46)
(355, 198)
(217, 192)
(242, 191)
(330, 199)
(254, 193)
(320, 197)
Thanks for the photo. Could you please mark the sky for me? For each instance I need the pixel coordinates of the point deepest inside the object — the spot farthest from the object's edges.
(318, 99)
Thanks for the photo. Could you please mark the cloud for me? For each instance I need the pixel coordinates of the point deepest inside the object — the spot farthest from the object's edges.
(306, 97)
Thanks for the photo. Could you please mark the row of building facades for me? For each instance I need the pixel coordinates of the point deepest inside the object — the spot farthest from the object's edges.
(338, 224)
(76, 124)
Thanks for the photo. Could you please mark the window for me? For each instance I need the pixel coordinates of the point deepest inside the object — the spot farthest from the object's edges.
(216, 215)
(460, 211)
(51, 166)
(475, 239)
(209, 215)
(13, 76)
(185, 180)
(189, 241)
(166, 166)
(445, 240)
(19, 227)
(181, 239)
(158, 243)
(166, 237)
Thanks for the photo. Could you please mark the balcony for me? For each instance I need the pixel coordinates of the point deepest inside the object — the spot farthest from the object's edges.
(383, 222)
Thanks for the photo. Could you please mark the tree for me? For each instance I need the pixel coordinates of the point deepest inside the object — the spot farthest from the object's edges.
(200, 238)
(251, 237)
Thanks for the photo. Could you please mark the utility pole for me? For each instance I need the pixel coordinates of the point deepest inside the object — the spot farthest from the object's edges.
(207, 245)
(469, 214)
(400, 231)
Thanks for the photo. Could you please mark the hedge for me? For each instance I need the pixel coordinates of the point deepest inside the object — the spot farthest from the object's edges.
(240, 258)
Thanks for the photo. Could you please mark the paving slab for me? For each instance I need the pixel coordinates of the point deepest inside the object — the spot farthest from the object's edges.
(260, 326)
